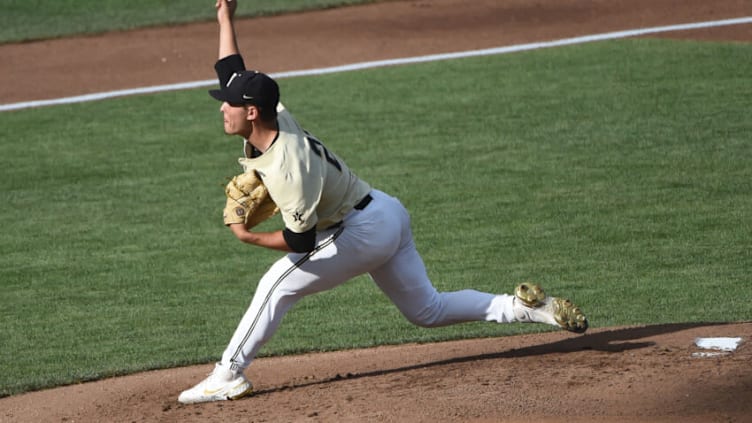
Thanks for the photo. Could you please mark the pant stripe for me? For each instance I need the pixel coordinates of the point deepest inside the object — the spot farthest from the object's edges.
(297, 264)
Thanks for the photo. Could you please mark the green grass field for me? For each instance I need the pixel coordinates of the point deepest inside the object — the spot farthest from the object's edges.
(614, 173)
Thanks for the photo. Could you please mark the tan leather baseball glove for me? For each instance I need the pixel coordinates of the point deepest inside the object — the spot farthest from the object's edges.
(248, 200)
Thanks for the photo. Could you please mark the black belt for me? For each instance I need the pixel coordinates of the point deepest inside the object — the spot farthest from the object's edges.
(364, 202)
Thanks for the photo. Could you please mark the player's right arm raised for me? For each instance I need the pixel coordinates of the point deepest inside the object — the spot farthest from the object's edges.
(228, 44)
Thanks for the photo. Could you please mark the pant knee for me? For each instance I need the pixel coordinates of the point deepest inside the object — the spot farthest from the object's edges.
(428, 317)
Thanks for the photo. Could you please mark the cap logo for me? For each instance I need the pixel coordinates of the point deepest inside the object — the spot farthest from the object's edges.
(247, 97)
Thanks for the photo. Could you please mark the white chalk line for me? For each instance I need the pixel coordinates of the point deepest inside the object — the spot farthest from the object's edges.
(390, 62)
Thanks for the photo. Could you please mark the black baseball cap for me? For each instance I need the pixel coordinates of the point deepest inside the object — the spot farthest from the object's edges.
(249, 87)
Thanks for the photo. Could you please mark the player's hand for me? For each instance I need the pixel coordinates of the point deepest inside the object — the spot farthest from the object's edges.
(226, 9)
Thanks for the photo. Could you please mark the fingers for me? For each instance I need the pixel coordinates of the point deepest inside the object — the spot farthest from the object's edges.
(226, 8)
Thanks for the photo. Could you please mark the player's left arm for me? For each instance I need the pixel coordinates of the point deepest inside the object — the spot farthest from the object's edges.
(284, 240)
(274, 240)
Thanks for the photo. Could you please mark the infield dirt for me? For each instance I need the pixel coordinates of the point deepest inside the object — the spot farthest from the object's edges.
(627, 374)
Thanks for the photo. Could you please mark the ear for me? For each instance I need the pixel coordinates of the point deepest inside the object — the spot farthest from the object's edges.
(252, 113)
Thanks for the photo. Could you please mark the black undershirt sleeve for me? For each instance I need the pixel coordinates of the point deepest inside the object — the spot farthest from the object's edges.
(228, 65)
(300, 242)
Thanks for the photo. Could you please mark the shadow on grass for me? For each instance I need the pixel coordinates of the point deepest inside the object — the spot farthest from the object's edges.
(614, 341)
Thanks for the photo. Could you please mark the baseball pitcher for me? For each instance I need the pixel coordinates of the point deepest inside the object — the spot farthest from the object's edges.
(336, 227)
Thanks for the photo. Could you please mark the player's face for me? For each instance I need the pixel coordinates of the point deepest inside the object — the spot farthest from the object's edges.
(236, 120)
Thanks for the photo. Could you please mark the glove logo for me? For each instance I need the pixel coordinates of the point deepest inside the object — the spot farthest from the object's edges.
(239, 211)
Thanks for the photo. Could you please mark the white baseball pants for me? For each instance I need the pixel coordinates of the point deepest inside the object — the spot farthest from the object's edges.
(376, 240)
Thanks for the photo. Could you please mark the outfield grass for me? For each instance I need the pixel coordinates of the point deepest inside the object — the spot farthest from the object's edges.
(614, 173)
(23, 20)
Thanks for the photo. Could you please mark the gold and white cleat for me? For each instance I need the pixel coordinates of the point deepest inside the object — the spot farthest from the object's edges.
(532, 305)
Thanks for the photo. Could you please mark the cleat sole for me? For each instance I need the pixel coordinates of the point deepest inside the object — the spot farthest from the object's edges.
(569, 316)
